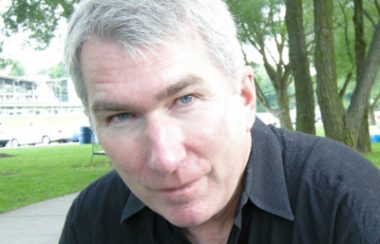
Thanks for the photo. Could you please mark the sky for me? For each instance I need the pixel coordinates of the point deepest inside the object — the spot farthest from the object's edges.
(33, 61)
(16, 47)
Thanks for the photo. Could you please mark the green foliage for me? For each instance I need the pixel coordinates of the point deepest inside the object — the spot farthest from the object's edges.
(16, 68)
(261, 19)
(33, 174)
(345, 33)
(40, 17)
(57, 71)
(261, 24)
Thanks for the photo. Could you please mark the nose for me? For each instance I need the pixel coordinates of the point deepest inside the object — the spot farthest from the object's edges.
(164, 144)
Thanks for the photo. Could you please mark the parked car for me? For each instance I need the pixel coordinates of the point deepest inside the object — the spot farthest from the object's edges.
(35, 134)
(29, 135)
(3, 136)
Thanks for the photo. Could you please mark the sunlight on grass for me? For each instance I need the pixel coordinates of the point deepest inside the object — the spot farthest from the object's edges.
(32, 174)
(374, 156)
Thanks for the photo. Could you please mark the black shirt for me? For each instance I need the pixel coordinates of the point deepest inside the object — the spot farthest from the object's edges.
(297, 189)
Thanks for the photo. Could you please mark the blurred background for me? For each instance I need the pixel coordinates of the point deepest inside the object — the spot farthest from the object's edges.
(316, 67)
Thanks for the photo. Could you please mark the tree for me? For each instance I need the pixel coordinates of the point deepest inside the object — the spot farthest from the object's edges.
(331, 106)
(261, 24)
(375, 101)
(343, 125)
(358, 34)
(40, 17)
(57, 71)
(365, 81)
(15, 68)
(363, 142)
(299, 63)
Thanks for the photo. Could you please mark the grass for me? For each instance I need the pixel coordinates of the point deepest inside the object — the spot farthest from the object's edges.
(374, 156)
(33, 174)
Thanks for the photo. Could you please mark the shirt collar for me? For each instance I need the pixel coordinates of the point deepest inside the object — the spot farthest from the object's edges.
(133, 206)
(265, 182)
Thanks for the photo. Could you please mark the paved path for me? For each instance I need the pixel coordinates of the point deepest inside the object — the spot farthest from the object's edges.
(39, 223)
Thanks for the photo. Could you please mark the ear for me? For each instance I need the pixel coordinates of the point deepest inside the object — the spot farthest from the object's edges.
(248, 94)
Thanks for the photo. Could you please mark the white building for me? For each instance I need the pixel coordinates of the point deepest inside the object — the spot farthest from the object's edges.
(22, 96)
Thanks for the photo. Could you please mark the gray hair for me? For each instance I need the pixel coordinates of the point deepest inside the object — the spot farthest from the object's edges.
(140, 25)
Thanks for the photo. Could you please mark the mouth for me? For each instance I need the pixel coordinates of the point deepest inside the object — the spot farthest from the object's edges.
(187, 189)
(178, 188)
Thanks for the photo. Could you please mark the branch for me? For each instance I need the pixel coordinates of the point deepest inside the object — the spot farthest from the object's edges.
(281, 50)
(270, 54)
(369, 17)
(287, 74)
(244, 54)
(248, 36)
(346, 39)
(259, 92)
(262, 98)
(345, 84)
(377, 4)
(376, 100)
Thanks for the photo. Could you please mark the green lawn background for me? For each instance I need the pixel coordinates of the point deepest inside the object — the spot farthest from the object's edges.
(36, 173)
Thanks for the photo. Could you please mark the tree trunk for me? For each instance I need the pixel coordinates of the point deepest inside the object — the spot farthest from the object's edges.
(284, 111)
(364, 142)
(299, 63)
(371, 108)
(279, 78)
(371, 115)
(328, 97)
(360, 98)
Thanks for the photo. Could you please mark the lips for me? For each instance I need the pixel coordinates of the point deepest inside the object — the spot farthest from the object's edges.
(179, 188)
(184, 191)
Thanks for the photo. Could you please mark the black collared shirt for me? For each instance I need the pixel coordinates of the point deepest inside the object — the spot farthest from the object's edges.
(297, 189)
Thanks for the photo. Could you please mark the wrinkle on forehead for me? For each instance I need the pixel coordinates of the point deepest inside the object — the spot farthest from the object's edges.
(169, 91)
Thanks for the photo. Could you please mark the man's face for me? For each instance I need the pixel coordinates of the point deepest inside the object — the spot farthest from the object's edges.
(175, 127)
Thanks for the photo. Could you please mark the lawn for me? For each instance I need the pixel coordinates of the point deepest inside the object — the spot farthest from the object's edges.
(36, 173)
(375, 155)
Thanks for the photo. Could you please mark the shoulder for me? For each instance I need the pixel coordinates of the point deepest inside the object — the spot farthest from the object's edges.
(103, 199)
(96, 211)
(333, 184)
(307, 155)
(101, 193)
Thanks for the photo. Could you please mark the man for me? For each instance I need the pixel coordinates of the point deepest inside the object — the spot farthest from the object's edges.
(164, 85)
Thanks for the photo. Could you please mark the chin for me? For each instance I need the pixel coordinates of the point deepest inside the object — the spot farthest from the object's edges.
(188, 216)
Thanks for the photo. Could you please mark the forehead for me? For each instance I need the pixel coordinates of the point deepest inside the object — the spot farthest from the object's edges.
(98, 56)
(110, 72)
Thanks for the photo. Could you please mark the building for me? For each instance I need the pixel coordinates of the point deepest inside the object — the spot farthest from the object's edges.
(22, 96)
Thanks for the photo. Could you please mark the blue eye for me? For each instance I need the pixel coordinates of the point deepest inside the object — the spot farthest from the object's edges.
(187, 99)
(122, 117)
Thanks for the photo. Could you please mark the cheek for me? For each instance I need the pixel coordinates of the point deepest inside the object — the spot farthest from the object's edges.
(125, 154)
(220, 124)
(222, 136)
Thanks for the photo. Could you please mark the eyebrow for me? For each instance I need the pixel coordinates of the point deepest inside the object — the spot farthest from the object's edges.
(177, 87)
(181, 84)
(101, 106)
